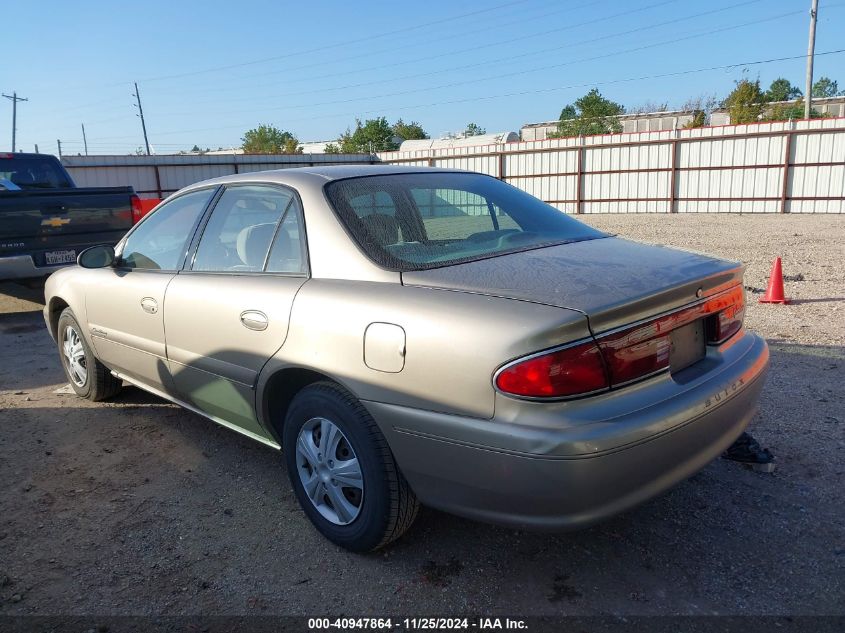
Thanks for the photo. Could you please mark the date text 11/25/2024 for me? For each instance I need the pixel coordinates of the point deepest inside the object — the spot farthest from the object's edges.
(414, 624)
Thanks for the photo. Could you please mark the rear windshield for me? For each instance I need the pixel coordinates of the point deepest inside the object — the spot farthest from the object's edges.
(417, 221)
(33, 173)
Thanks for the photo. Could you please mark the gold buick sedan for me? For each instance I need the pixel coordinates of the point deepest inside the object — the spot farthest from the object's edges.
(412, 335)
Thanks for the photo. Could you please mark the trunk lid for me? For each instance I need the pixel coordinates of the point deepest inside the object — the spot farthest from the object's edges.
(611, 280)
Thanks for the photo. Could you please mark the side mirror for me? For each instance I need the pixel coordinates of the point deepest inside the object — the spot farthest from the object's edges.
(96, 257)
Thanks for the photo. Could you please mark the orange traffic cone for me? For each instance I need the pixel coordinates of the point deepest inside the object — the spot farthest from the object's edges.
(774, 291)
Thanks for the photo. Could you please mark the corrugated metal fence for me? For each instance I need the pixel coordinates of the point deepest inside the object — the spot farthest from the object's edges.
(783, 167)
(159, 176)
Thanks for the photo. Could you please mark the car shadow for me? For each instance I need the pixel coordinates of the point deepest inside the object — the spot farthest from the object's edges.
(30, 291)
(726, 540)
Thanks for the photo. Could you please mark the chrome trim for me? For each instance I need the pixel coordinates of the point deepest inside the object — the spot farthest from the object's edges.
(660, 315)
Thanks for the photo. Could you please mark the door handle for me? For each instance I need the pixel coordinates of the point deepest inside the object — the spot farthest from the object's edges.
(149, 305)
(254, 320)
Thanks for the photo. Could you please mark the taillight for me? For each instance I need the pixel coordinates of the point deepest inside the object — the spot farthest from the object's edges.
(628, 354)
(728, 319)
(636, 352)
(137, 209)
(562, 373)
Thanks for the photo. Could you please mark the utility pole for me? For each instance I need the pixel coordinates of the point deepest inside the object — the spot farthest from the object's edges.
(59, 143)
(811, 47)
(14, 98)
(84, 139)
(137, 95)
(36, 149)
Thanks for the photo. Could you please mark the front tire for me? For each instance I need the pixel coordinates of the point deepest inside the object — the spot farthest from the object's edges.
(87, 376)
(342, 470)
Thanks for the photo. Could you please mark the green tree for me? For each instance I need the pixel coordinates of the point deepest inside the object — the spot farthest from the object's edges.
(700, 107)
(745, 103)
(409, 131)
(591, 114)
(826, 87)
(795, 111)
(292, 146)
(568, 112)
(473, 129)
(268, 139)
(332, 148)
(699, 118)
(374, 135)
(782, 90)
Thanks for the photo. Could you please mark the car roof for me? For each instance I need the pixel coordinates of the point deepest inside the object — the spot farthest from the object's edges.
(334, 172)
(317, 174)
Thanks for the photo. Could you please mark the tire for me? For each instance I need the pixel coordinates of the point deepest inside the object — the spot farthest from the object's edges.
(97, 382)
(369, 518)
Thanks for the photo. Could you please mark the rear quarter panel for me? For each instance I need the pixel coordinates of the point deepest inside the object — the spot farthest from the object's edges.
(454, 341)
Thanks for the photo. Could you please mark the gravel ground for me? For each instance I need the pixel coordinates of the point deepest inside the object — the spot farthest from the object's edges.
(138, 507)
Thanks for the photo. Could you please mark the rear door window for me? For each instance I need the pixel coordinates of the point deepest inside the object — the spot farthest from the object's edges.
(287, 254)
(241, 229)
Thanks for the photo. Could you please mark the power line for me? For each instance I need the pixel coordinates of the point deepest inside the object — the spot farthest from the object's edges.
(364, 39)
(510, 58)
(460, 51)
(14, 99)
(453, 53)
(369, 53)
(463, 34)
(534, 69)
(811, 46)
(359, 40)
(475, 48)
(516, 73)
(526, 92)
(137, 95)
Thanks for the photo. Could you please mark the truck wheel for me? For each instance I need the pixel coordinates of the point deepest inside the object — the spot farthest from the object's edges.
(343, 472)
(88, 377)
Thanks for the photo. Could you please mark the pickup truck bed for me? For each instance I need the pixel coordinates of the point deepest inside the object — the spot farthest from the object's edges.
(45, 228)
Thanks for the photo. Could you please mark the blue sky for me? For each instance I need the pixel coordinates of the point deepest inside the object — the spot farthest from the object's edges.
(208, 71)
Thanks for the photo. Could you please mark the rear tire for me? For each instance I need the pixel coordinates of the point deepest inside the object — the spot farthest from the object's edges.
(87, 376)
(356, 496)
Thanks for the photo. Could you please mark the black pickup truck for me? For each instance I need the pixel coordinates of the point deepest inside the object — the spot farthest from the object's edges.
(46, 221)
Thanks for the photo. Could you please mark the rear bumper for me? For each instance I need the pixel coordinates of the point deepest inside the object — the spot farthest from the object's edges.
(586, 460)
(23, 267)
